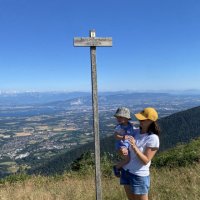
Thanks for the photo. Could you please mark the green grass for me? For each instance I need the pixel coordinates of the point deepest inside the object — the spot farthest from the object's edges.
(166, 184)
(175, 175)
(180, 156)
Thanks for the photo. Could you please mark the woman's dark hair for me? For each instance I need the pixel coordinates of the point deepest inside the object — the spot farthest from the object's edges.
(154, 128)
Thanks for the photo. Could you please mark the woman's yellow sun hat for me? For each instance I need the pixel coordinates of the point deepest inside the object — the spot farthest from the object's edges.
(147, 113)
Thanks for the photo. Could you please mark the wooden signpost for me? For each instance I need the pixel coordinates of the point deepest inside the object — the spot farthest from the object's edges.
(94, 42)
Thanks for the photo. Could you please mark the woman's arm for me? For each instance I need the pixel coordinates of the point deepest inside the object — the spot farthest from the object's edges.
(147, 155)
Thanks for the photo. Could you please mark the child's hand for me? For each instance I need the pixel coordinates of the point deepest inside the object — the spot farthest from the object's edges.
(126, 137)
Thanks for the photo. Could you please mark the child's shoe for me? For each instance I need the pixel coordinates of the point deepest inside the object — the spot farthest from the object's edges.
(116, 171)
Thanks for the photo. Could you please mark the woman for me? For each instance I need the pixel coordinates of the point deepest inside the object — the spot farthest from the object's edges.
(145, 144)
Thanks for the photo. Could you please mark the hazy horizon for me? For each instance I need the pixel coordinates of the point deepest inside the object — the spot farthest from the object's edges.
(100, 91)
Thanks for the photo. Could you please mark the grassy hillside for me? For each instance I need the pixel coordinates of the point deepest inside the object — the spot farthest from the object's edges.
(167, 184)
(180, 127)
(175, 175)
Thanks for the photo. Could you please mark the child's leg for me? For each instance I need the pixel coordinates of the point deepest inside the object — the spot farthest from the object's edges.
(125, 155)
(125, 161)
(126, 158)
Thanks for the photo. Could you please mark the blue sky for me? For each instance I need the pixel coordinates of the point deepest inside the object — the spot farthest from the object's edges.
(156, 44)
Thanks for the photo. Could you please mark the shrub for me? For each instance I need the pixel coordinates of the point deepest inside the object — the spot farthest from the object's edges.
(180, 156)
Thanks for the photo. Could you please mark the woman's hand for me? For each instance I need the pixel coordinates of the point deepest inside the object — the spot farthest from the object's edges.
(147, 155)
(132, 141)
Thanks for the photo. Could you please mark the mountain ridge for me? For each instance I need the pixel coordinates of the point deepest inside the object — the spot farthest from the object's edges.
(31, 98)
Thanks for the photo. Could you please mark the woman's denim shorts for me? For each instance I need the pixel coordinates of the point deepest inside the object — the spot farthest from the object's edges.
(138, 184)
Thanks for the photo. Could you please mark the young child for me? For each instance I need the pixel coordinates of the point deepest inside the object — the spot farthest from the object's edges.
(123, 130)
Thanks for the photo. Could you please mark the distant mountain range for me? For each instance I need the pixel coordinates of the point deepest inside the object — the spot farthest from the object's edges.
(30, 98)
(29, 104)
(116, 98)
(129, 100)
(178, 128)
